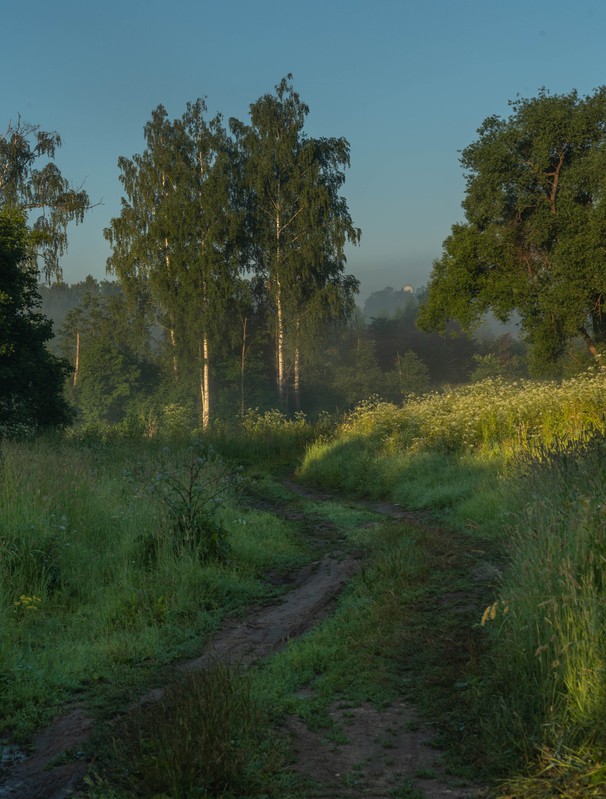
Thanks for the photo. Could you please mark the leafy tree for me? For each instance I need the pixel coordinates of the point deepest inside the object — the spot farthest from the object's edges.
(39, 189)
(411, 375)
(113, 367)
(298, 222)
(503, 357)
(31, 379)
(535, 230)
(175, 244)
(448, 358)
(361, 377)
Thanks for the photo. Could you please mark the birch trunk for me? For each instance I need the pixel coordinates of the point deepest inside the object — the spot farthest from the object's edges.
(171, 328)
(297, 368)
(279, 317)
(77, 364)
(203, 353)
(280, 341)
(171, 321)
(243, 364)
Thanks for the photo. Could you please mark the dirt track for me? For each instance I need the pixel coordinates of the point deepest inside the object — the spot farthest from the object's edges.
(382, 748)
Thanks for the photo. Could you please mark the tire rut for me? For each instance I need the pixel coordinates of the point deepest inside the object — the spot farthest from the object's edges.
(45, 775)
(51, 772)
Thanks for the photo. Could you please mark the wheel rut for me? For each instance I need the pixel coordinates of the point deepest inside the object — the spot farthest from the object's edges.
(380, 745)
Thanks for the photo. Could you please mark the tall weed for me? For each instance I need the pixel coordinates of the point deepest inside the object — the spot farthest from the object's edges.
(548, 631)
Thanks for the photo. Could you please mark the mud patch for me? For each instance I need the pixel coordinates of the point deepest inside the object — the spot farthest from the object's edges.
(384, 754)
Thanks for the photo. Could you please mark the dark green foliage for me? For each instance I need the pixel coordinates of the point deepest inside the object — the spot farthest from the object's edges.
(39, 189)
(59, 298)
(175, 245)
(449, 359)
(190, 493)
(110, 348)
(503, 357)
(533, 239)
(388, 302)
(31, 379)
(297, 223)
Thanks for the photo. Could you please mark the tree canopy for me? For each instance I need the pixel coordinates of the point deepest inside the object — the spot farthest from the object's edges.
(534, 239)
(222, 234)
(299, 224)
(30, 180)
(36, 205)
(31, 379)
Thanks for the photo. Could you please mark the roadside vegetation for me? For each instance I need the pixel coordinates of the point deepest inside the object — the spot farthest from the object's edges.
(118, 558)
(122, 554)
(522, 465)
(141, 456)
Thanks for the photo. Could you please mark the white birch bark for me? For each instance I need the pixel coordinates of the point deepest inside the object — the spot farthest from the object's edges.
(279, 317)
(77, 364)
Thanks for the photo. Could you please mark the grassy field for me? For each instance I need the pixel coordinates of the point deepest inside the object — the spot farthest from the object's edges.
(523, 464)
(121, 555)
(118, 558)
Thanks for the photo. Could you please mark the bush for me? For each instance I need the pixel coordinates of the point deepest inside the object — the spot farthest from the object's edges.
(207, 737)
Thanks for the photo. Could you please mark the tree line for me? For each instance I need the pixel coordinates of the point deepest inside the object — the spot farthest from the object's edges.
(222, 228)
(229, 255)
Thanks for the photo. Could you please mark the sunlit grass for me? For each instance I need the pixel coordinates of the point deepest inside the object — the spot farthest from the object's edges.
(523, 462)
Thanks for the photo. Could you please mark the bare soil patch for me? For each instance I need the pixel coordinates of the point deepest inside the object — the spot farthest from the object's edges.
(379, 753)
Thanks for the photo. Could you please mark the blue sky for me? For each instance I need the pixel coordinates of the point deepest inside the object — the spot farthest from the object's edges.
(407, 83)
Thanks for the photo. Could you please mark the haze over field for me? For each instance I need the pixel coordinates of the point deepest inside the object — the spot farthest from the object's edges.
(406, 83)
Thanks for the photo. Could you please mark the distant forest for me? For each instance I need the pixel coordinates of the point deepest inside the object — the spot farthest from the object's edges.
(121, 370)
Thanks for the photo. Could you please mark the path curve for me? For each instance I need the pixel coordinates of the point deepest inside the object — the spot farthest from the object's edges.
(264, 632)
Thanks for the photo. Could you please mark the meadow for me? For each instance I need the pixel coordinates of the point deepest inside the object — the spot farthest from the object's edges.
(117, 558)
(121, 555)
(523, 464)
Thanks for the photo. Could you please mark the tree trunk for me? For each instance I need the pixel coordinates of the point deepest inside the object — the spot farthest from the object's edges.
(297, 368)
(203, 353)
(589, 342)
(171, 328)
(77, 364)
(280, 342)
(244, 353)
(279, 319)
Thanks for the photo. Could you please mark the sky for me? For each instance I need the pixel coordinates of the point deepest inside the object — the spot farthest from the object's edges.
(407, 83)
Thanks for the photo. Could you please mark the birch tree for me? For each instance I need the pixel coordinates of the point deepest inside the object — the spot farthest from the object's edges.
(142, 236)
(31, 181)
(176, 242)
(298, 222)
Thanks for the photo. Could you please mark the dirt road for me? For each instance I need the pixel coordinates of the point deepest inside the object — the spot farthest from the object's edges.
(382, 749)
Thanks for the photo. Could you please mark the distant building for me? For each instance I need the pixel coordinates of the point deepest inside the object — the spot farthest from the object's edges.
(408, 289)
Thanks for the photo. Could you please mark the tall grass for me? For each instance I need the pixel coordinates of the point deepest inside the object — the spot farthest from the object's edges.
(270, 437)
(95, 583)
(494, 417)
(524, 462)
(208, 736)
(544, 684)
